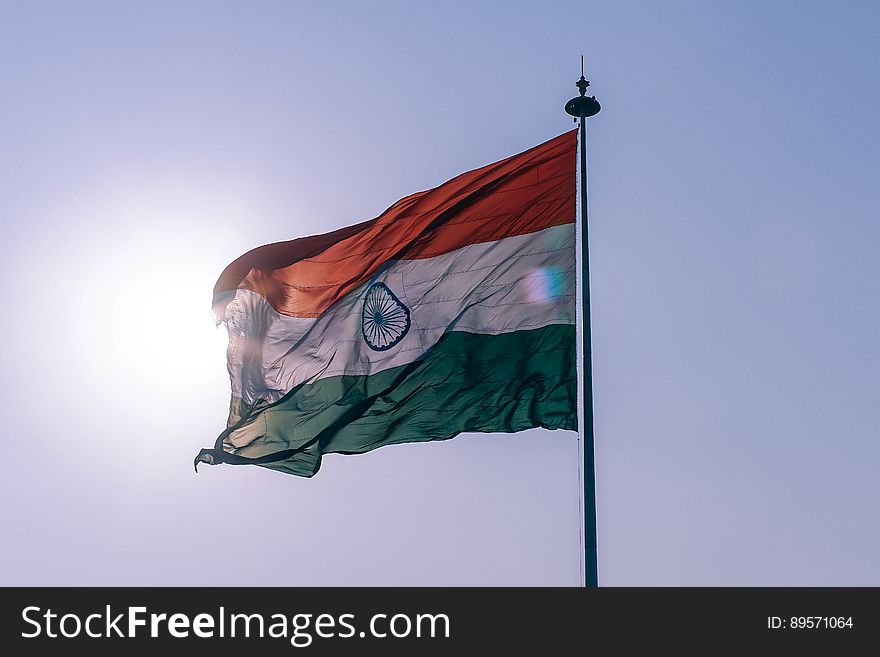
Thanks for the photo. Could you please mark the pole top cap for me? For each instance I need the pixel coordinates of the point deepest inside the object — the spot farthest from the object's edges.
(583, 106)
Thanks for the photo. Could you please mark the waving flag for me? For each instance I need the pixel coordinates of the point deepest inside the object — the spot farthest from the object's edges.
(452, 311)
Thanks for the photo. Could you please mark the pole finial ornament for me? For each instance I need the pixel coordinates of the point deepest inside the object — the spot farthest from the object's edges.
(583, 106)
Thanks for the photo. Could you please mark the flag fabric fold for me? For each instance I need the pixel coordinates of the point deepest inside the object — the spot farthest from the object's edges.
(453, 311)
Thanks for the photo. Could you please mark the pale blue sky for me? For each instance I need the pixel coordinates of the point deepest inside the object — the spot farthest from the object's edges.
(734, 210)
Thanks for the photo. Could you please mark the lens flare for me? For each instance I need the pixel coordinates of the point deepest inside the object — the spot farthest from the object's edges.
(545, 284)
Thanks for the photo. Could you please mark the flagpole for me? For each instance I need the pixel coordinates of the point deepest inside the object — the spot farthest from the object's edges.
(583, 107)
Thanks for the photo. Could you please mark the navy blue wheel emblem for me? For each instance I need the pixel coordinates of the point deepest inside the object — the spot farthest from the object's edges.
(385, 320)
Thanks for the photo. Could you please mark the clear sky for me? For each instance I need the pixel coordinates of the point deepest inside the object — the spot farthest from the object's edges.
(736, 286)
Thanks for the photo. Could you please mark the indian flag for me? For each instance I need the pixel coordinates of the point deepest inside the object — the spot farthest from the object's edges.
(453, 311)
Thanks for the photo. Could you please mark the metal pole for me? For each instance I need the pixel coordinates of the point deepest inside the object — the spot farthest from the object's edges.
(583, 107)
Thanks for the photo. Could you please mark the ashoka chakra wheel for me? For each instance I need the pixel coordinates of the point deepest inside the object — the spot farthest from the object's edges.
(385, 320)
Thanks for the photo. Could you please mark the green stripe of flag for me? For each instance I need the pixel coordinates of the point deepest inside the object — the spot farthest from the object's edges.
(467, 382)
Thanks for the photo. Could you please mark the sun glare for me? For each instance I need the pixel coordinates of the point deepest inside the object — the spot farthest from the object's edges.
(159, 318)
(142, 320)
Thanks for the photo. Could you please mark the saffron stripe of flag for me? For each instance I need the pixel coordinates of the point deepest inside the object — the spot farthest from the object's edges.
(521, 194)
